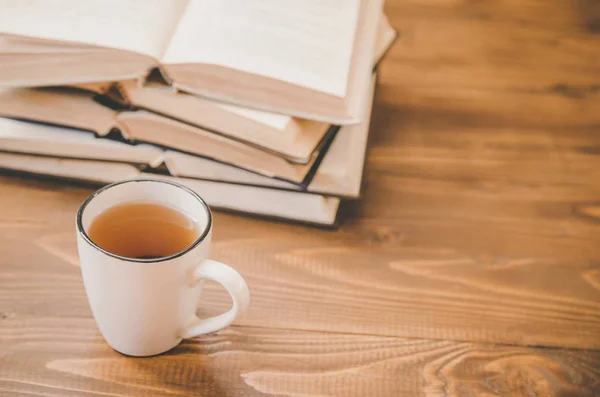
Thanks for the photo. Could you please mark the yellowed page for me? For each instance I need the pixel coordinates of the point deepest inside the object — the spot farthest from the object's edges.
(303, 42)
(86, 170)
(61, 106)
(33, 138)
(143, 26)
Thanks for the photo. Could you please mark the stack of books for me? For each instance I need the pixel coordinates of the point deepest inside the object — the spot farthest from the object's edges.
(262, 107)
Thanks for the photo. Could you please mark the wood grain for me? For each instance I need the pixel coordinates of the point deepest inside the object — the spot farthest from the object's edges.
(471, 265)
(68, 357)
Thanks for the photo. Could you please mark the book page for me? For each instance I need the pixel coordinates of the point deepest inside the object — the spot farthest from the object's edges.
(303, 42)
(143, 26)
(33, 138)
(85, 170)
(274, 120)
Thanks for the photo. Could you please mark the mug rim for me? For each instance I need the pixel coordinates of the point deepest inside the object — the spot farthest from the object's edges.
(200, 239)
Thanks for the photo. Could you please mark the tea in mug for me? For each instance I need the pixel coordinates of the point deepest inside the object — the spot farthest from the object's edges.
(143, 230)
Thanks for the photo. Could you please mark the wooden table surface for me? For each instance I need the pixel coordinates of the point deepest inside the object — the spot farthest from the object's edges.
(470, 267)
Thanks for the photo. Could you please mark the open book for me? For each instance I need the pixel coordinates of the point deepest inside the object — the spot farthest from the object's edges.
(305, 58)
(77, 108)
(293, 138)
(272, 203)
(340, 173)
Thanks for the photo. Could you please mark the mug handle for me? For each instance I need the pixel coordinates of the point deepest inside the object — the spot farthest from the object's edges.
(234, 284)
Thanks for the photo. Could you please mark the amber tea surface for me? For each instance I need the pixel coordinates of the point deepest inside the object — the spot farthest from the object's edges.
(143, 230)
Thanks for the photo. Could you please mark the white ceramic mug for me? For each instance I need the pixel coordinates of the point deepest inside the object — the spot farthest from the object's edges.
(145, 307)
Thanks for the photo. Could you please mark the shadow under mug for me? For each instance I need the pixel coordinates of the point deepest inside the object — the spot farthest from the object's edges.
(145, 307)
